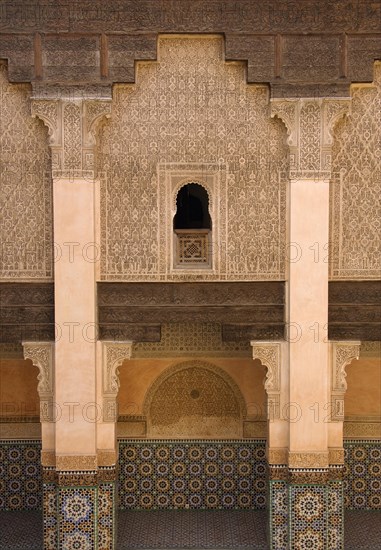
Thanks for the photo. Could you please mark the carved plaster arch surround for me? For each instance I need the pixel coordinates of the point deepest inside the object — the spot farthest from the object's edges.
(194, 399)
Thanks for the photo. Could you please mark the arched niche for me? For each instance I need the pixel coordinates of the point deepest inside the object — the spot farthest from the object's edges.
(194, 399)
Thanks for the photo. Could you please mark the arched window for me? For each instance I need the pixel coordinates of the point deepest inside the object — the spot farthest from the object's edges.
(192, 225)
(192, 208)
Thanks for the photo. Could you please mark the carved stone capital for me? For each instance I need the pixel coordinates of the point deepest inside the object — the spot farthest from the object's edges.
(113, 355)
(42, 356)
(309, 123)
(269, 353)
(72, 123)
(342, 353)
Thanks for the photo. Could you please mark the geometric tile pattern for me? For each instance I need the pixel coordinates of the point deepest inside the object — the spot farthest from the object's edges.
(22, 530)
(194, 474)
(77, 507)
(335, 515)
(362, 475)
(20, 475)
(106, 516)
(308, 517)
(198, 529)
(50, 516)
(278, 515)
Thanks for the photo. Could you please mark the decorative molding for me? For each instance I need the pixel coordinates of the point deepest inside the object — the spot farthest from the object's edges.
(303, 476)
(342, 353)
(76, 478)
(335, 456)
(278, 472)
(335, 472)
(107, 474)
(20, 430)
(48, 458)
(107, 457)
(308, 459)
(277, 456)
(362, 429)
(76, 462)
(269, 353)
(113, 355)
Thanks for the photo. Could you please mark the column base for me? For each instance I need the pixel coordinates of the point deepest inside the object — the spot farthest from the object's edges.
(305, 509)
(79, 509)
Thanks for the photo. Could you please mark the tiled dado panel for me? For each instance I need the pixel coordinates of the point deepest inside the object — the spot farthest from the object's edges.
(79, 517)
(199, 474)
(362, 474)
(20, 475)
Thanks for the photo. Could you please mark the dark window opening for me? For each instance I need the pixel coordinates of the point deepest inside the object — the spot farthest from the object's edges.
(192, 208)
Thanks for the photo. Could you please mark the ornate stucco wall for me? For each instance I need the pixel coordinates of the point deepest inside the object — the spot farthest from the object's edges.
(192, 117)
(26, 233)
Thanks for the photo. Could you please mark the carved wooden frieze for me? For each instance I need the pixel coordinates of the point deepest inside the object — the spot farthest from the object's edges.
(300, 48)
(27, 312)
(257, 306)
(354, 311)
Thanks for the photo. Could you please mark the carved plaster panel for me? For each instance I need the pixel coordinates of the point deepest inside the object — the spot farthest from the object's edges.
(113, 355)
(26, 232)
(179, 339)
(42, 356)
(309, 124)
(269, 353)
(192, 117)
(194, 399)
(356, 186)
(72, 123)
(76, 462)
(308, 459)
(342, 353)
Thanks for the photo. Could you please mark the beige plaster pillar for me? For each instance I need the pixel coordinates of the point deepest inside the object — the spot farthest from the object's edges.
(314, 440)
(308, 323)
(75, 317)
(76, 479)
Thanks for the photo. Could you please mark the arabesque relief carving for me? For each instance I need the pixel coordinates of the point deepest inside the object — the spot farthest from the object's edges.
(42, 356)
(72, 124)
(356, 186)
(342, 353)
(269, 353)
(310, 123)
(194, 399)
(26, 232)
(113, 355)
(191, 116)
